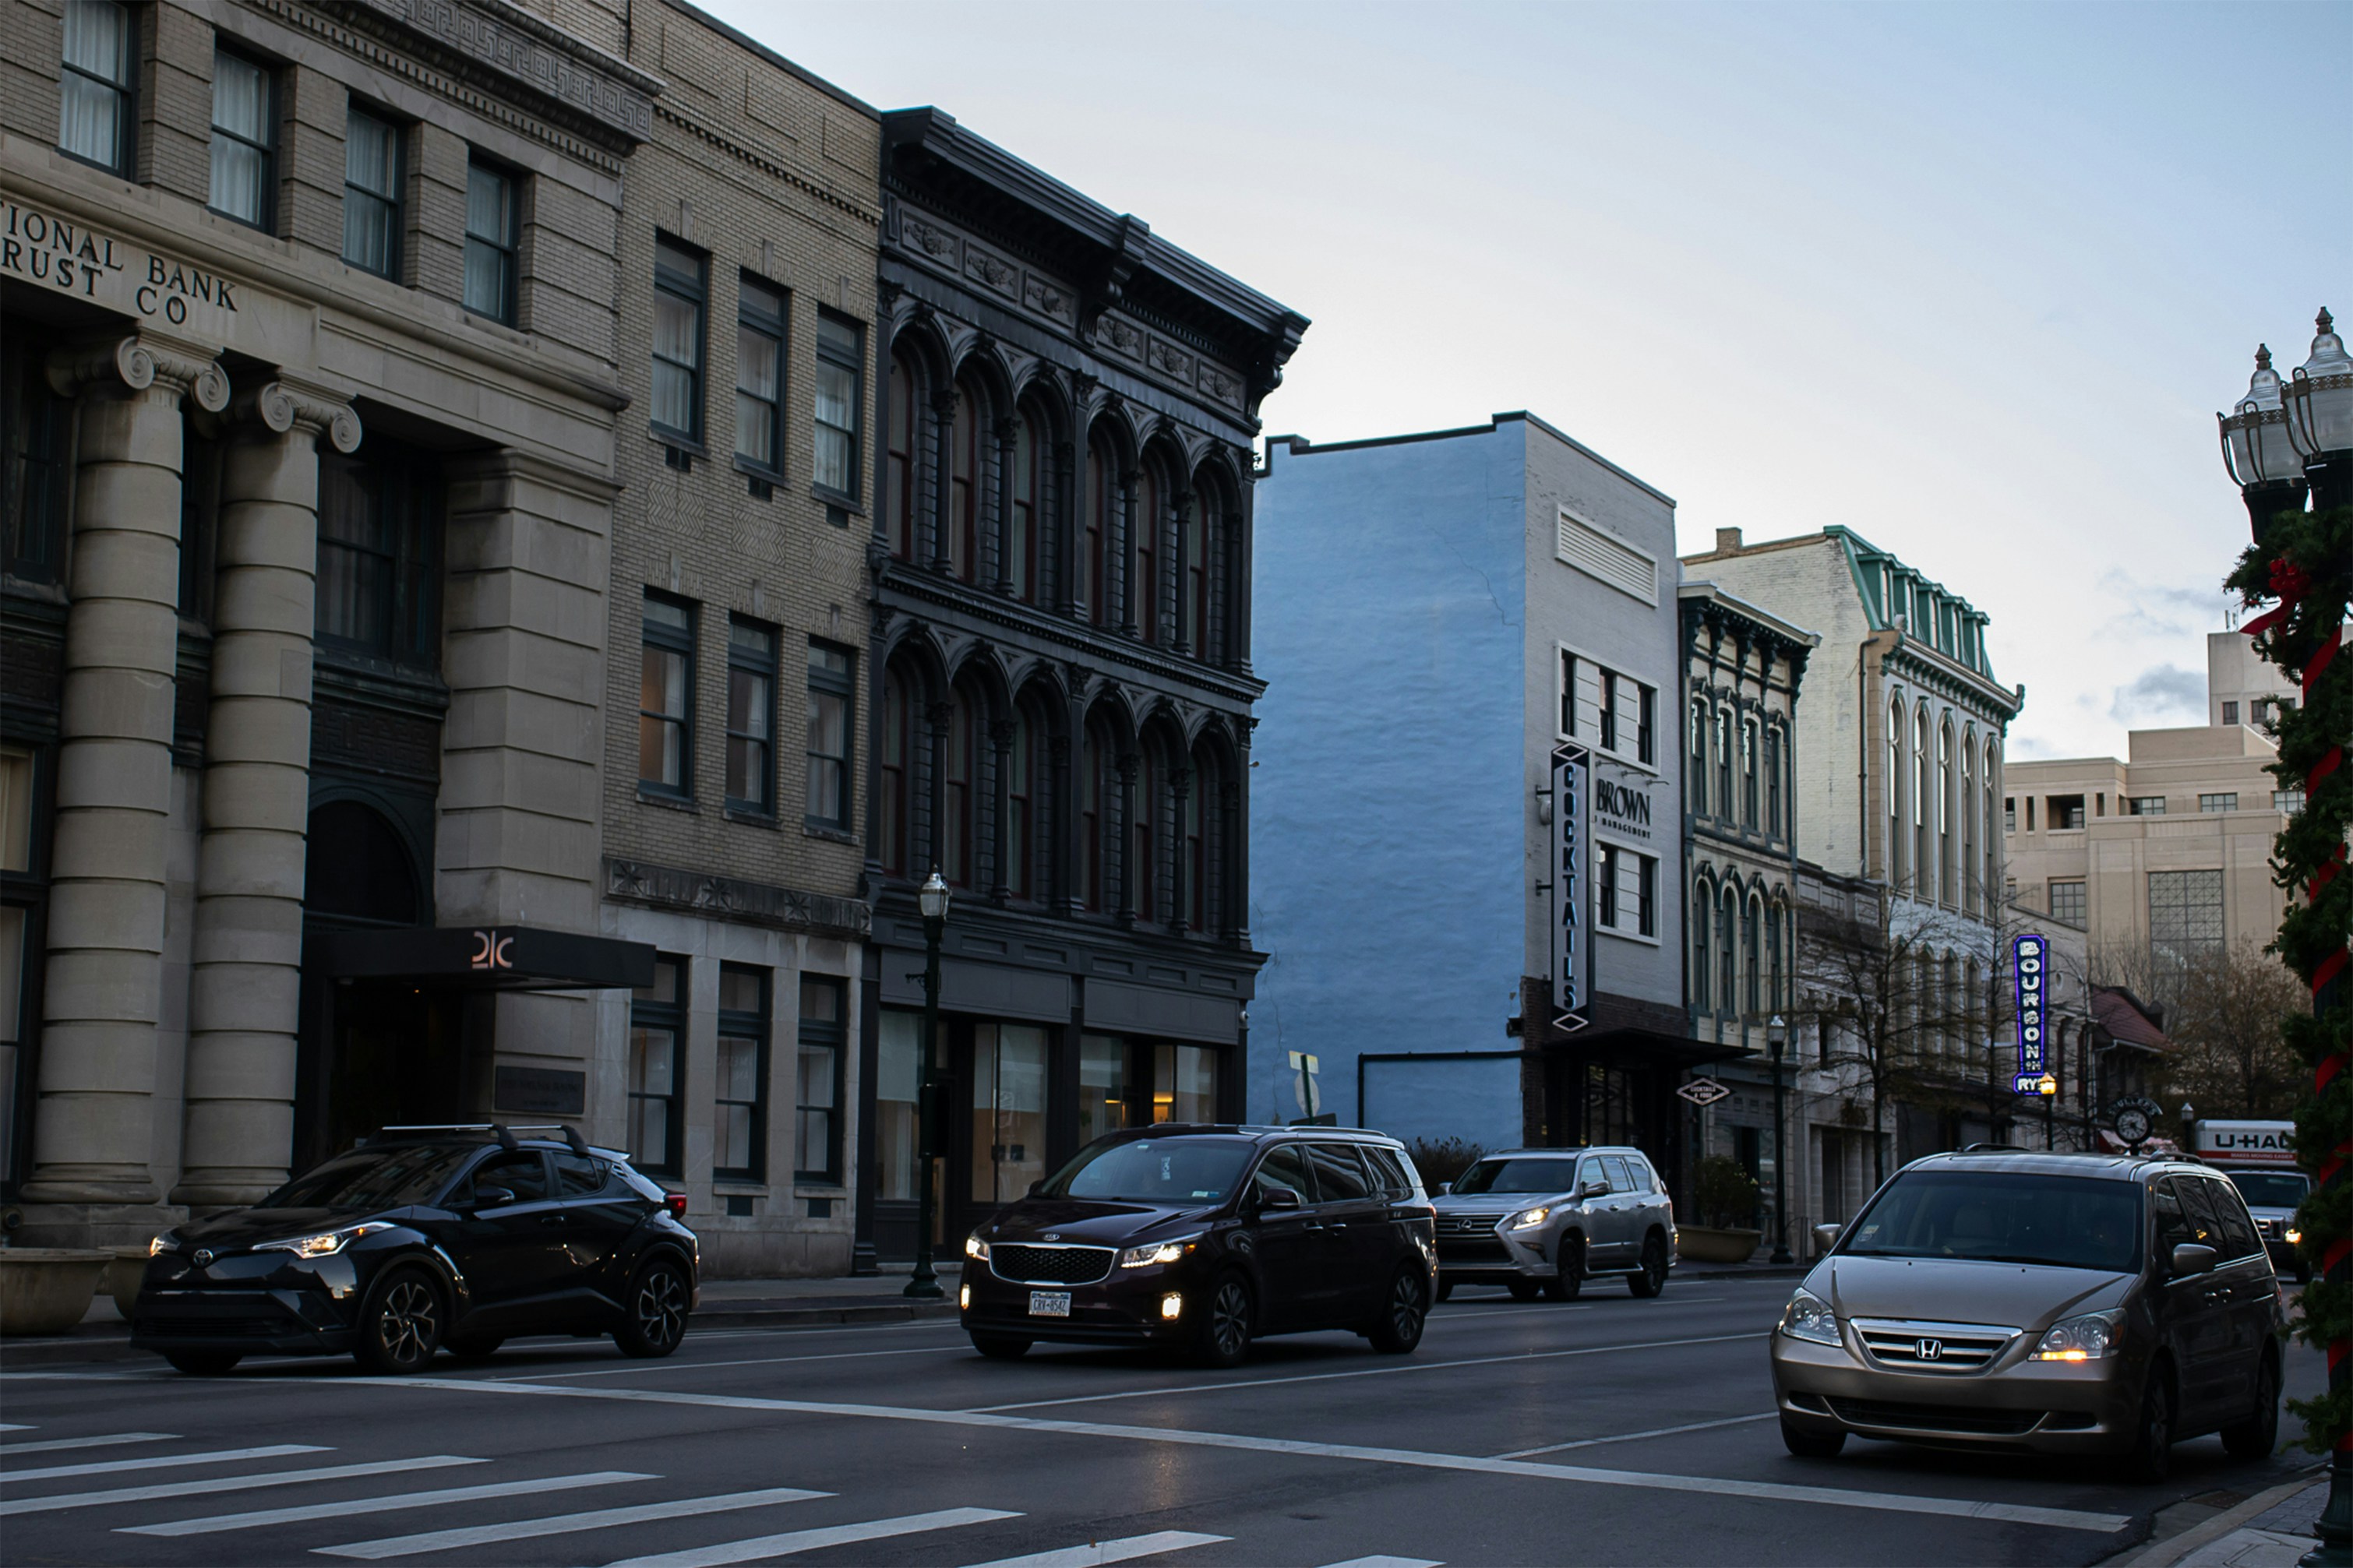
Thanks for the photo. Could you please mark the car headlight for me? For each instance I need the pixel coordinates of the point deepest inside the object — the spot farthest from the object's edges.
(1808, 1317)
(325, 1244)
(2087, 1338)
(2294, 1237)
(163, 1243)
(975, 1249)
(1158, 1252)
(1528, 1219)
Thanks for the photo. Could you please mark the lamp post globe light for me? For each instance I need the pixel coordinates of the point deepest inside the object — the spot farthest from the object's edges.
(2303, 560)
(1776, 1035)
(931, 899)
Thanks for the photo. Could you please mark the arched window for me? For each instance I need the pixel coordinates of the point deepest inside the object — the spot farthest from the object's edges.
(1703, 902)
(1968, 797)
(959, 792)
(1991, 842)
(1698, 766)
(357, 868)
(1143, 599)
(1728, 930)
(1945, 811)
(1972, 993)
(1094, 544)
(1777, 999)
(1200, 802)
(1143, 833)
(1724, 798)
(1021, 527)
(967, 481)
(1748, 772)
(1752, 970)
(1924, 784)
(899, 462)
(1773, 750)
(1022, 773)
(1953, 1000)
(898, 751)
(1094, 760)
(1895, 793)
(1193, 587)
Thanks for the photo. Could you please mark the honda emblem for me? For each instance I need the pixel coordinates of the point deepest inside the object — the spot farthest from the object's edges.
(1931, 1349)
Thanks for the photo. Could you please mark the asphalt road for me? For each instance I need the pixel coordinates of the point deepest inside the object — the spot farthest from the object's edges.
(1607, 1431)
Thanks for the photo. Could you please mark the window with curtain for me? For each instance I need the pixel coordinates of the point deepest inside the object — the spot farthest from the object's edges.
(759, 377)
(750, 716)
(681, 292)
(493, 230)
(831, 701)
(657, 1069)
(899, 459)
(739, 1109)
(244, 138)
(665, 697)
(94, 118)
(372, 173)
(840, 382)
(818, 1079)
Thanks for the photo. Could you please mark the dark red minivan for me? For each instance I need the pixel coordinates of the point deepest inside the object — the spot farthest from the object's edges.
(1202, 1238)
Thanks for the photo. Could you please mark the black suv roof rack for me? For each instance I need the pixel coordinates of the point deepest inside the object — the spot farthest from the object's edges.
(505, 1134)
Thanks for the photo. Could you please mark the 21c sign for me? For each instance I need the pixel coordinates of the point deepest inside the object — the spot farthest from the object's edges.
(2031, 964)
(494, 949)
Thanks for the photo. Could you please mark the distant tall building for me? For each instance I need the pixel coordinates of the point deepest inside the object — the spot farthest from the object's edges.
(2240, 687)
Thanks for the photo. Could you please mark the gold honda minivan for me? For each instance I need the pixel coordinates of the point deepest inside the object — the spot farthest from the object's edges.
(2054, 1303)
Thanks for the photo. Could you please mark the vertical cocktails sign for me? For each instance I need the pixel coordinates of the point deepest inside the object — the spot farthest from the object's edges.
(2029, 956)
(1572, 849)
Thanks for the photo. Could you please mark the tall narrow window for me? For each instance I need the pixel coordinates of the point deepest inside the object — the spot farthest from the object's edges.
(244, 137)
(1748, 772)
(1646, 894)
(1093, 759)
(759, 378)
(1094, 547)
(829, 707)
(1199, 801)
(1752, 971)
(379, 568)
(681, 292)
(372, 194)
(818, 1082)
(1773, 783)
(895, 763)
(1567, 693)
(1609, 682)
(1697, 766)
(1193, 584)
(1703, 903)
(1021, 801)
(1727, 802)
(1728, 920)
(1021, 521)
(751, 717)
(1143, 836)
(739, 1110)
(665, 700)
(493, 228)
(1646, 721)
(1144, 592)
(958, 789)
(1773, 997)
(967, 482)
(1895, 793)
(898, 460)
(94, 91)
(657, 1069)
(35, 459)
(1607, 864)
(841, 380)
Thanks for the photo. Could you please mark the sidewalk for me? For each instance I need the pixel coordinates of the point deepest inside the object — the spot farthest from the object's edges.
(2270, 1530)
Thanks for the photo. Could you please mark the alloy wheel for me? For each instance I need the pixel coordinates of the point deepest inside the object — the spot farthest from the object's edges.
(408, 1323)
(1406, 1309)
(1229, 1319)
(660, 1307)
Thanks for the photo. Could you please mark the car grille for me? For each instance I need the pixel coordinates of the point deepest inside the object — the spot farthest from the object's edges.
(1467, 1223)
(1932, 1347)
(1024, 1264)
(1453, 1250)
(1936, 1417)
(2270, 1229)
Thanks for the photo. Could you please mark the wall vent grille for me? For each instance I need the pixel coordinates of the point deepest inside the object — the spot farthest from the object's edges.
(1608, 558)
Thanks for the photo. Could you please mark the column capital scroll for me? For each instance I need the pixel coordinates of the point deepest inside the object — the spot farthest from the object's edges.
(280, 406)
(137, 362)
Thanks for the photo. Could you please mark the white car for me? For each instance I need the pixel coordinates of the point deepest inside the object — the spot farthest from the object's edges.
(1544, 1221)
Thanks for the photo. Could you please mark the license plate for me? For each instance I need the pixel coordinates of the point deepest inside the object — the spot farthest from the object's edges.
(1049, 1304)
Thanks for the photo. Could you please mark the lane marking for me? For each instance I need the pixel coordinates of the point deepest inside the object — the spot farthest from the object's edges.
(228, 1484)
(216, 1457)
(213, 1524)
(57, 1445)
(1387, 1563)
(1100, 1552)
(754, 1361)
(796, 1540)
(561, 1524)
(1362, 1372)
(12, 1426)
(1636, 1436)
(1707, 1486)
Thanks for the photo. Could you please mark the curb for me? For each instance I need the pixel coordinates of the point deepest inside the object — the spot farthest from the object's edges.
(2173, 1549)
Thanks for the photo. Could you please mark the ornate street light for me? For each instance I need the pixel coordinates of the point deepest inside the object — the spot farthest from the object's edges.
(2256, 450)
(1776, 1037)
(931, 899)
(2318, 405)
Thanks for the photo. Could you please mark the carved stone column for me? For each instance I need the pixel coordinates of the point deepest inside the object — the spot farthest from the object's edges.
(246, 986)
(94, 1126)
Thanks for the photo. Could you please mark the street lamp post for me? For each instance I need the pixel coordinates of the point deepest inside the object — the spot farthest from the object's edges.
(1776, 1037)
(931, 899)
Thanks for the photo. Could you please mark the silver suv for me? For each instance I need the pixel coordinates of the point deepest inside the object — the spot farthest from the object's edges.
(1546, 1220)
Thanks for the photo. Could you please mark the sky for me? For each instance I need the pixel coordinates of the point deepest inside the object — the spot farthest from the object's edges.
(1971, 281)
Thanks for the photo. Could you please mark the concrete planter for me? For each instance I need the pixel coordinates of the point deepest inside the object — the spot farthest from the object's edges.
(1702, 1244)
(122, 1277)
(47, 1289)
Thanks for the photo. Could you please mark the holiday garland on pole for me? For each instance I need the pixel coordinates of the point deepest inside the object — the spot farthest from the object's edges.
(2305, 561)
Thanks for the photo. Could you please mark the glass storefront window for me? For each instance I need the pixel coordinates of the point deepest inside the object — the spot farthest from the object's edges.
(1102, 1086)
(897, 1074)
(1184, 1083)
(1009, 1110)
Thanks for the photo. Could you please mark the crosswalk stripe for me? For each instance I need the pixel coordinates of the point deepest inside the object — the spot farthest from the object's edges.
(784, 1545)
(1387, 1563)
(562, 1524)
(215, 1523)
(12, 1426)
(57, 1445)
(227, 1484)
(1100, 1552)
(115, 1467)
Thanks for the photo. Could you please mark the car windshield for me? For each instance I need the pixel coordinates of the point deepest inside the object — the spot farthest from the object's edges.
(371, 1179)
(2005, 1216)
(2270, 1189)
(1519, 1175)
(1184, 1171)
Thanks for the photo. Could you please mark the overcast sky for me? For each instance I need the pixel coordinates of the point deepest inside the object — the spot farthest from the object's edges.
(1970, 279)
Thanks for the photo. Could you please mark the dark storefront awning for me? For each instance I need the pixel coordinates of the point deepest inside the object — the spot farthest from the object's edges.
(1645, 1048)
(482, 958)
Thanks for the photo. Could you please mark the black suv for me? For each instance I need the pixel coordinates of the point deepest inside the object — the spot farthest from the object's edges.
(1200, 1238)
(427, 1238)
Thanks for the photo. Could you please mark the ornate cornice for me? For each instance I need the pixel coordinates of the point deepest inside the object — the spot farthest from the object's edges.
(865, 213)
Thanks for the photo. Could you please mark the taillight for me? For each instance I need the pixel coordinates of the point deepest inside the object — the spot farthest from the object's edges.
(676, 1203)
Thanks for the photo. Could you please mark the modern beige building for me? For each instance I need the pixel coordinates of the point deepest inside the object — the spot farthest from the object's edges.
(310, 358)
(2166, 852)
(2241, 687)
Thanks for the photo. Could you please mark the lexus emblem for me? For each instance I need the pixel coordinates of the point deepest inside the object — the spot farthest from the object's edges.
(1931, 1349)
(204, 1256)
(1053, 1236)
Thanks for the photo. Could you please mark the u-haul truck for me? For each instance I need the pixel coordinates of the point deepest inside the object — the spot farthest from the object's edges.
(2244, 1143)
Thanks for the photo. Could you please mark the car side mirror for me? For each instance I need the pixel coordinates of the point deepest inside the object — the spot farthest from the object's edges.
(1596, 1188)
(2192, 1257)
(1278, 1198)
(1036, 1187)
(1440, 1190)
(1825, 1236)
(492, 1197)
